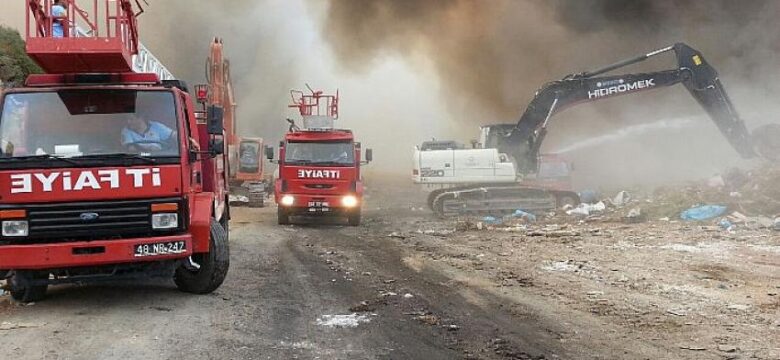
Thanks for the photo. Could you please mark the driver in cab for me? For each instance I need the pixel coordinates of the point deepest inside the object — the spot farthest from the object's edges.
(142, 135)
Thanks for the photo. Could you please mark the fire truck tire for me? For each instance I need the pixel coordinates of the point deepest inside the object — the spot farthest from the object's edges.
(283, 218)
(213, 265)
(354, 218)
(23, 292)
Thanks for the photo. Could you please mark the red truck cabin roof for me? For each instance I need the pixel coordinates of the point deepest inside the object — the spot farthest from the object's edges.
(329, 135)
(48, 80)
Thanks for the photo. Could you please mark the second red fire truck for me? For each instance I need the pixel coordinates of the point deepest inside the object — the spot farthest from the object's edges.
(319, 165)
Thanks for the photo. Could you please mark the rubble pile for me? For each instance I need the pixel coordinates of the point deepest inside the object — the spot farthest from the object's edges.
(735, 199)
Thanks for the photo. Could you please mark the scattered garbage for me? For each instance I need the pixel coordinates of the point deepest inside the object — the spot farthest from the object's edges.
(727, 348)
(492, 220)
(634, 215)
(433, 232)
(589, 196)
(726, 224)
(622, 198)
(704, 212)
(524, 215)
(5, 325)
(777, 224)
(408, 296)
(586, 209)
(342, 321)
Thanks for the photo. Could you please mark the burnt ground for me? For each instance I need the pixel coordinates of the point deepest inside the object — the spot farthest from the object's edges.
(563, 289)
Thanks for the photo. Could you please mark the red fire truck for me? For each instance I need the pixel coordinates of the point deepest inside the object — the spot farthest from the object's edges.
(107, 171)
(319, 165)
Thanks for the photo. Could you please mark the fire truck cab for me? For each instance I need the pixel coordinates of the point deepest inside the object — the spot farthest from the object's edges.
(108, 175)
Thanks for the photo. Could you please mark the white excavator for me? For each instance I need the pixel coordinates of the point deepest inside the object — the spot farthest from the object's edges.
(504, 171)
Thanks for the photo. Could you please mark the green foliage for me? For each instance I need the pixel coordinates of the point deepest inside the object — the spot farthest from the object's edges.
(15, 65)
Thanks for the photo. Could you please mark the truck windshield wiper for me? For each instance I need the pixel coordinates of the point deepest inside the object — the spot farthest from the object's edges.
(119, 156)
(39, 157)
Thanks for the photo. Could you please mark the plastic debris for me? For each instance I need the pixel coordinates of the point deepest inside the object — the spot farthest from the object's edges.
(777, 224)
(342, 321)
(524, 215)
(491, 220)
(704, 212)
(726, 224)
(622, 198)
(634, 215)
(587, 209)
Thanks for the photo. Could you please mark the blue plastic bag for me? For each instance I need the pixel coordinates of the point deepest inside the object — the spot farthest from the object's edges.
(522, 214)
(704, 212)
(491, 220)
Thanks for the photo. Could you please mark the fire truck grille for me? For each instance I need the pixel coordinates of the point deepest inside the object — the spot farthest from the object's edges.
(65, 222)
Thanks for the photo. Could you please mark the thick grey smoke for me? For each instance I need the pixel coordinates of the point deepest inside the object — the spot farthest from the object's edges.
(491, 56)
(179, 33)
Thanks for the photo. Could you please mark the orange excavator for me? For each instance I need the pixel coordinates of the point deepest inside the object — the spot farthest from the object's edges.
(245, 164)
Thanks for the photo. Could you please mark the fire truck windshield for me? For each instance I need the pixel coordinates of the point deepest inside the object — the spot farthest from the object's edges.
(320, 153)
(89, 123)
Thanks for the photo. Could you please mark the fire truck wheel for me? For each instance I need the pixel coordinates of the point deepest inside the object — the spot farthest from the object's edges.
(213, 265)
(22, 291)
(354, 218)
(282, 216)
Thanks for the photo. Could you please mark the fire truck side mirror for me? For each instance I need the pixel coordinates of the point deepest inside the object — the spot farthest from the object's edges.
(269, 152)
(369, 155)
(215, 120)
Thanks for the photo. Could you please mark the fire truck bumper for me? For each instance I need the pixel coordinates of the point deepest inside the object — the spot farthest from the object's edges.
(92, 253)
(319, 204)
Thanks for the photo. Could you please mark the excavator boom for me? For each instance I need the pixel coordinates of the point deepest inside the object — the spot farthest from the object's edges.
(693, 71)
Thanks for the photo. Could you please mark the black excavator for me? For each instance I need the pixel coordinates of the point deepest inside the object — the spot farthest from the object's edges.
(522, 141)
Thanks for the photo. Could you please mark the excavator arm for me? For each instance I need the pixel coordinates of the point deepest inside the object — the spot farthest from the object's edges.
(524, 141)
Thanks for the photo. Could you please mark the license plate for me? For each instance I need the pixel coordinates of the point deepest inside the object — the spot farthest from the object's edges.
(157, 249)
(319, 206)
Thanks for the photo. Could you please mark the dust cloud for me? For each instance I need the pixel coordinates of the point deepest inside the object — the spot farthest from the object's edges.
(263, 63)
(490, 57)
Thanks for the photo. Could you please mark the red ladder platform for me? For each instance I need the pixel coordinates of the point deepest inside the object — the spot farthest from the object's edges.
(102, 40)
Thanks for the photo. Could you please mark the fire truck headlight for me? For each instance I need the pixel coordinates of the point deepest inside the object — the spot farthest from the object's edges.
(287, 200)
(15, 228)
(165, 221)
(349, 201)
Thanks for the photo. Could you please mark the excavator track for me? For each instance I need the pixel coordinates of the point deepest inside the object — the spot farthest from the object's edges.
(491, 199)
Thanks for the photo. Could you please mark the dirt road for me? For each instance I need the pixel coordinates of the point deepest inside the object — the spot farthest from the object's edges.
(329, 291)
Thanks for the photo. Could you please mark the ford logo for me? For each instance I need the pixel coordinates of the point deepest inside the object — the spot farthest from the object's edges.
(89, 216)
